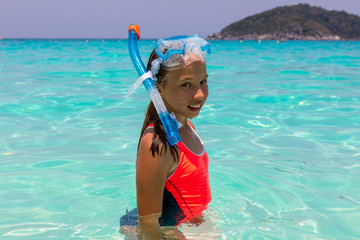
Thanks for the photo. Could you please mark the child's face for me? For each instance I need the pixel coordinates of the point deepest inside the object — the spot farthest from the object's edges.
(185, 90)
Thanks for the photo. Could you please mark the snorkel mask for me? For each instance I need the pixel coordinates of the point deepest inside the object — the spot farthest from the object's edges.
(174, 53)
(177, 52)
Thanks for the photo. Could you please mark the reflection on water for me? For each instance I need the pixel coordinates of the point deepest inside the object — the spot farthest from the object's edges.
(281, 127)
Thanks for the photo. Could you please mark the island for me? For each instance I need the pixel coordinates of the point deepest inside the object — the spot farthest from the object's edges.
(297, 22)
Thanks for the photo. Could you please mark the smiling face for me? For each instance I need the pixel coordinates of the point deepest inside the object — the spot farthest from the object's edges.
(185, 91)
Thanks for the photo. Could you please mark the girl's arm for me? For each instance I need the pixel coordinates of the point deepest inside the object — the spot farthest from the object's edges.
(151, 174)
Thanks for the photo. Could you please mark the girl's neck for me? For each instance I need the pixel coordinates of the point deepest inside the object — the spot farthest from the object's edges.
(183, 120)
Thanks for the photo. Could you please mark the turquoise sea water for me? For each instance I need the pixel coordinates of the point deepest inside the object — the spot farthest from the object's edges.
(281, 127)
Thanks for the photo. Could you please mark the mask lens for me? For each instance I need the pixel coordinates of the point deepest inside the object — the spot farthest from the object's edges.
(180, 50)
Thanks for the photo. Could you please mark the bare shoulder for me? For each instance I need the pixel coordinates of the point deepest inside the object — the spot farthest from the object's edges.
(146, 139)
(146, 158)
(144, 151)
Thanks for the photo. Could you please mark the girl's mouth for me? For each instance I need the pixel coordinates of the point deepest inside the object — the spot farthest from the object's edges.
(195, 107)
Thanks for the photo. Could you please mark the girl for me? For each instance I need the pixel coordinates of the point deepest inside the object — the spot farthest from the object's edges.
(172, 182)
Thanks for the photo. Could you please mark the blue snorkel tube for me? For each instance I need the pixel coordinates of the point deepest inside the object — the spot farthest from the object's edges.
(169, 122)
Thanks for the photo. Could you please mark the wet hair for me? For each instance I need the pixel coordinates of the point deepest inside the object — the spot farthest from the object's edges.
(160, 141)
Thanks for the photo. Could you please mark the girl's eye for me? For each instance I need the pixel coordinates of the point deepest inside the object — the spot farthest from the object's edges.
(186, 85)
(204, 81)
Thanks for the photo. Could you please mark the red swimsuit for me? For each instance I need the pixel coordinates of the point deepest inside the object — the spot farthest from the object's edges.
(187, 191)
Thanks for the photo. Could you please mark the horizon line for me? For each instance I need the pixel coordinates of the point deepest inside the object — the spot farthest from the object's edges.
(209, 39)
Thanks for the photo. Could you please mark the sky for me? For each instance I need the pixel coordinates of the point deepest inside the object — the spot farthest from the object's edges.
(157, 19)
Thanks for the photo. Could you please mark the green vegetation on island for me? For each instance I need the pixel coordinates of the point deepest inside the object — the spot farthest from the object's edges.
(298, 22)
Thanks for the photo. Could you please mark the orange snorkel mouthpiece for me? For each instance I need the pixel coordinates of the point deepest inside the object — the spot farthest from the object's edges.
(136, 28)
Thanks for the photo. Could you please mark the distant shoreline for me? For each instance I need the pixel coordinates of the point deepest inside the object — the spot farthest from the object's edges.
(297, 22)
(280, 37)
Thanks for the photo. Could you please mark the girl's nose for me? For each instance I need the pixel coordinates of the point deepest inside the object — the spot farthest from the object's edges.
(199, 95)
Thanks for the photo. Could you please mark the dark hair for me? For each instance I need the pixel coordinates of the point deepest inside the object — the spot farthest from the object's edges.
(160, 141)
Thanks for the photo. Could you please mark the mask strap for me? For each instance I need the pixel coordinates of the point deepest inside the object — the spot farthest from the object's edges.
(139, 81)
(155, 66)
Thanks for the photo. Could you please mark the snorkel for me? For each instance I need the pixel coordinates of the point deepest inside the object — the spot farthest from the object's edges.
(169, 123)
